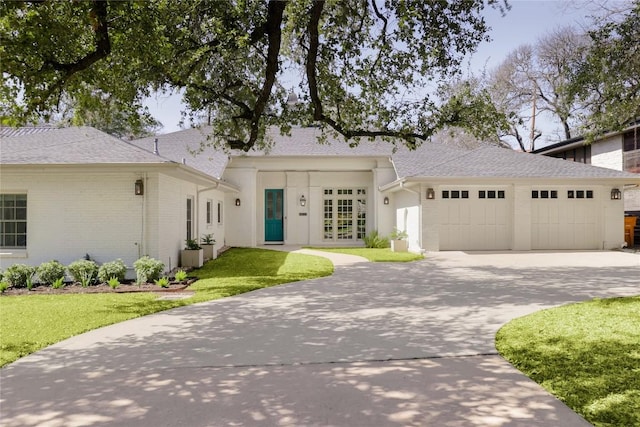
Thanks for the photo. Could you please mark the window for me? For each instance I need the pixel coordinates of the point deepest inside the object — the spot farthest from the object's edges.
(534, 194)
(554, 194)
(491, 194)
(209, 212)
(482, 194)
(189, 218)
(501, 194)
(589, 194)
(345, 214)
(455, 194)
(464, 194)
(13, 221)
(570, 194)
(580, 194)
(544, 194)
(445, 194)
(219, 212)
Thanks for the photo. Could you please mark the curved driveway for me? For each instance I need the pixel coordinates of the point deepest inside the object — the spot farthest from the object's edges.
(372, 345)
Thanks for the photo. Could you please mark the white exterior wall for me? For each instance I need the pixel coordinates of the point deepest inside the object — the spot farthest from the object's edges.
(78, 211)
(607, 153)
(408, 216)
(171, 212)
(632, 200)
(297, 177)
(73, 214)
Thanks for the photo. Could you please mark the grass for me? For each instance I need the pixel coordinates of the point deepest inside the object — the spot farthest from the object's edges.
(587, 355)
(31, 322)
(376, 255)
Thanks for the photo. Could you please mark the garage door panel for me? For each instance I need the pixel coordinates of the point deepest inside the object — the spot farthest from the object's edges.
(564, 223)
(474, 223)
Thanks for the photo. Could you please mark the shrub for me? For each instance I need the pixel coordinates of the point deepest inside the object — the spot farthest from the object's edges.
(113, 282)
(181, 276)
(163, 282)
(112, 269)
(49, 272)
(83, 271)
(4, 285)
(192, 245)
(58, 283)
(398, 234)
(148, 269)
(374, 240)
(19, 275)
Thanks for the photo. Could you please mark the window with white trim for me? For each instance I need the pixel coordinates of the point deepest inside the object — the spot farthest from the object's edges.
(219, 212)
(209, 212)
(344, 213)
(13, 221)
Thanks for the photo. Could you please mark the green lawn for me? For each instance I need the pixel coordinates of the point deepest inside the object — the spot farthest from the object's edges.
(587, 354)
(31, 322)
(375, 255)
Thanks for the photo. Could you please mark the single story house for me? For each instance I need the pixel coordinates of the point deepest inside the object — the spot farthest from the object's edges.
(71, 191)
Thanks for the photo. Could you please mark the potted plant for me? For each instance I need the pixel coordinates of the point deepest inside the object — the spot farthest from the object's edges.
(192, 255)
(399, 241)
(207, 242)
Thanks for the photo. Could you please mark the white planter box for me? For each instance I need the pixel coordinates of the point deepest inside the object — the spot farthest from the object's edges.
(399, 246)
(209, 253)
(191, 258)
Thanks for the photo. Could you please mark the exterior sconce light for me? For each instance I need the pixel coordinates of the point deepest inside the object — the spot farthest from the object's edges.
(303, 201)
(139, 188)
(616, 194)
(386, 201)
(431, 194)
(237, 202)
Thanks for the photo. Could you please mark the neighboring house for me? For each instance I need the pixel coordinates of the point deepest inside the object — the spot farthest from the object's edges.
(616, 150)
(68, 192)
(78, 186)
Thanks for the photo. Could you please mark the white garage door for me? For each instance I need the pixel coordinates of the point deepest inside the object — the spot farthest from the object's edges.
(564, 219)
(475, 219)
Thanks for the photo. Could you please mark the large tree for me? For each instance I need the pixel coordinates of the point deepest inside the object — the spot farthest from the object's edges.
(609, 79)
(536, 79)
(363, 68)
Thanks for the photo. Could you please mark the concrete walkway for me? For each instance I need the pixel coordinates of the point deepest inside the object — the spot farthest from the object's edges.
(372, 345)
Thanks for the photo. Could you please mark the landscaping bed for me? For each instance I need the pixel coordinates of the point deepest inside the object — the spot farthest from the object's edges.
(126, 287)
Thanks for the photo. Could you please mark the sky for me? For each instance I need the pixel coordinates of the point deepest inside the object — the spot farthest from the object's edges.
(526, 22)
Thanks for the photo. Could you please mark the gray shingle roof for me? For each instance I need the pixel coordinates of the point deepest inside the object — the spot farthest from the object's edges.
(6, 131)
(490, 161)
(72, 145)
(85, 145)
(186, 144)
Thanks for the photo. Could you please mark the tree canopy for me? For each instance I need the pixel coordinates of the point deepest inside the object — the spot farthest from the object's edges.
(362, 68)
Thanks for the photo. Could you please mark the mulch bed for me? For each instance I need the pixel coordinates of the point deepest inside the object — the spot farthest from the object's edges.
(127, 287)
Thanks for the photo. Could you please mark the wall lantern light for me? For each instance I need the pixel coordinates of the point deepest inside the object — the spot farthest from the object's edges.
(237, 202)
(616, 194)
(139, 188)
(303, 201)
(386, 201)
(431, 194)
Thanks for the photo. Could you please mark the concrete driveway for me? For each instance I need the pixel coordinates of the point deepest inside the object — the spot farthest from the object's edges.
(372, 345)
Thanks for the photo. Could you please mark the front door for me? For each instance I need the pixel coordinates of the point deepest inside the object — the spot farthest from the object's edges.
(273, 224)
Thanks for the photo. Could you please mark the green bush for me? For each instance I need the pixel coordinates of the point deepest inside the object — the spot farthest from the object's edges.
(374, 240)
(112, 269)
(19, 275)
(49, 272)
(163, 282)
(4, 285)
(83, 271)
(148, 269)
(113, 282)
(58, 284)
(181, 276)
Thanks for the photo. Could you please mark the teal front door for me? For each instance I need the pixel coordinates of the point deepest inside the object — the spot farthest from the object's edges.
(273, 224)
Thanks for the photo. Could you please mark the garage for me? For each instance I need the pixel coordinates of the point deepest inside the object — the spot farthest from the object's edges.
(564, 218)
(475, 218)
